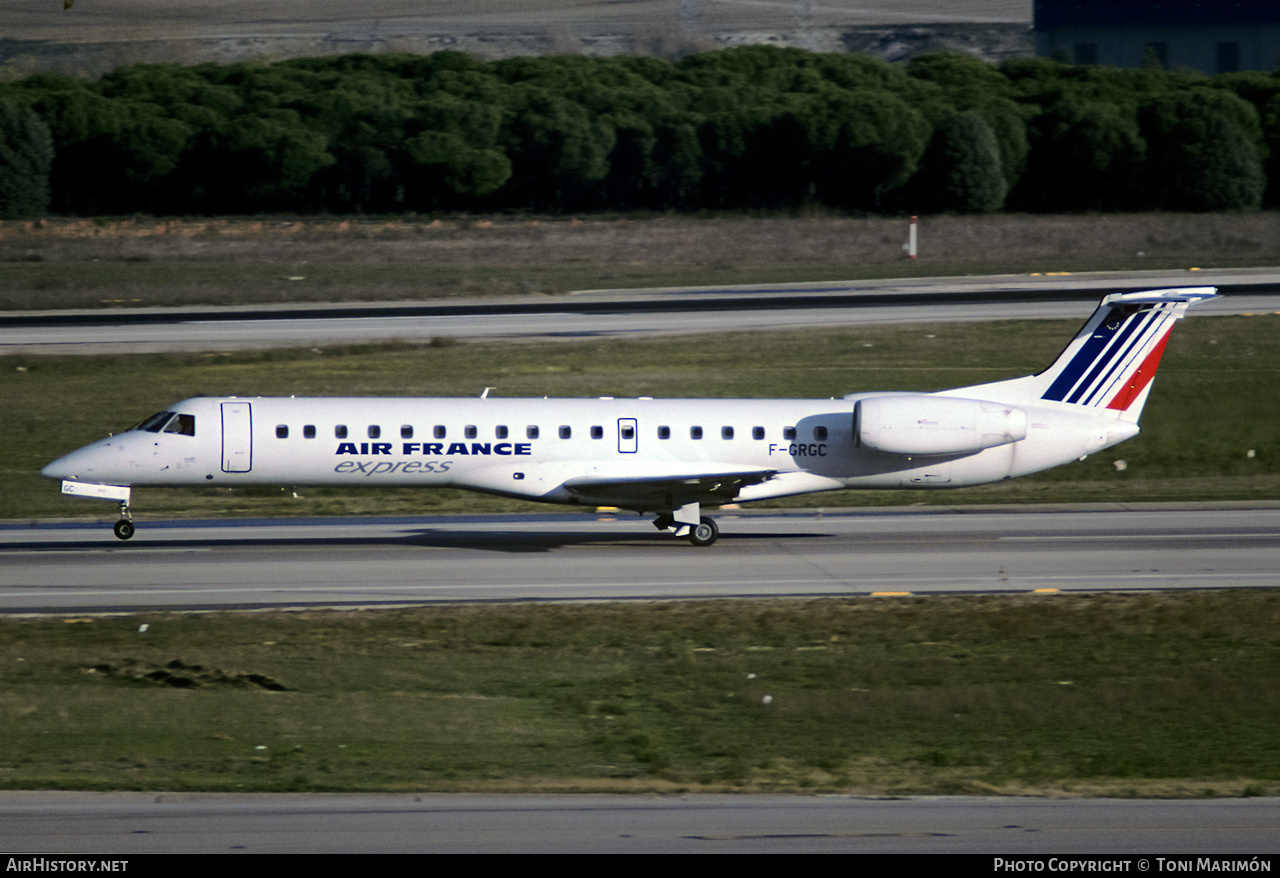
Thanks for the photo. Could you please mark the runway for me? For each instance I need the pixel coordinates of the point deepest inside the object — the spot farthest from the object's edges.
(140, 823)
(848, 553)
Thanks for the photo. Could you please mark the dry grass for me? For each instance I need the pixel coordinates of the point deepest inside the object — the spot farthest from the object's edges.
(64, 263)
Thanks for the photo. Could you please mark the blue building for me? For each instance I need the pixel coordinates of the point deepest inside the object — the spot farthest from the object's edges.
(1214, 37)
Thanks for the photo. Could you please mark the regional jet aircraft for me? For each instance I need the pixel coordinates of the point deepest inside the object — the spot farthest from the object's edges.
(667, 458)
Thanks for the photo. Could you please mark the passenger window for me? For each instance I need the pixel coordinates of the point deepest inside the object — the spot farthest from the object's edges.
(597, 432)
(374, 431)
(695, 432)
(789, 433)
(282, 431)
(664, 432)
(819, 432)
(628, 432)
(531, 431)
(309, 431)
(340, 431)
(500, 432)
(757, 432)
(406, 431)
(470, 431)
(439, 431)
(726, 432)
(566, 431)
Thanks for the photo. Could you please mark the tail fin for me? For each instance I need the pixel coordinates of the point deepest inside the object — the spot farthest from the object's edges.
(1112, 359)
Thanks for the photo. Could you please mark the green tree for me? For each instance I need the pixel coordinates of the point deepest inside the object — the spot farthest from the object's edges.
(677, 155)
(558, 152)
(1271, 141)
(1204, 151)
(76, 115)
(253, 163)
(26, 157)
(962, 169)
(1086, 155)
(964, 83)
(452, 153)
(449, 172)
(955, 72)
(867, 147)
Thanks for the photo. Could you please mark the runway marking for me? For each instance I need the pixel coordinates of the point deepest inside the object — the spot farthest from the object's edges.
(1093, 538)
(106, 550)
(738, 587)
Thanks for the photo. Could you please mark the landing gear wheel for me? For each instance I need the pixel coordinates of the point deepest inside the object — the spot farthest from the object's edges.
(705, 533)
(124, 529)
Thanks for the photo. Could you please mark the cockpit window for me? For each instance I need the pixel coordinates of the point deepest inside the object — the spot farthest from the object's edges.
(169, 422)
(183, 424)
(155, 423)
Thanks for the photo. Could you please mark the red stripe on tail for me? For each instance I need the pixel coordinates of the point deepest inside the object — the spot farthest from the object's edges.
(1141, 378)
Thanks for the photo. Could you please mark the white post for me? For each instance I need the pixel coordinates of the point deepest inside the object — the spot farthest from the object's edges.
(911, 239)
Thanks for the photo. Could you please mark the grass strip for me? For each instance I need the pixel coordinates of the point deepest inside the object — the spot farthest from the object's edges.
(1115, 694)
(140, 261)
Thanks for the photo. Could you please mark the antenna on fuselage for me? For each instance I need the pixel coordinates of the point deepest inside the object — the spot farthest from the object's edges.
(485, 395)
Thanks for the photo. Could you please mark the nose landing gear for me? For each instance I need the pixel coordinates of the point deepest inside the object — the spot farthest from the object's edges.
(124, 527)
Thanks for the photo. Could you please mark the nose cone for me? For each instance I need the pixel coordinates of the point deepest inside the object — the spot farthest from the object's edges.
(58, 469)
(101, 461)
(70, 466)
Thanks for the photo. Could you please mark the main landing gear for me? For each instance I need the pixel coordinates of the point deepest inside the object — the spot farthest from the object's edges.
(124, 527)
(682, 523)
(704, 533)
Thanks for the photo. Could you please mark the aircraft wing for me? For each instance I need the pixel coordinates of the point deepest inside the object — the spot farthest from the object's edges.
(666, 491)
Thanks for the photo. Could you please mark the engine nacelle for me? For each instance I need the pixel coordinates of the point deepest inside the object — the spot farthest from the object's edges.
(920, 424)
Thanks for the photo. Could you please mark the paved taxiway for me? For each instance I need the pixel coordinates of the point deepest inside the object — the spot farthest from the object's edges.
(318, 562)
(615, 313)
(137, 823)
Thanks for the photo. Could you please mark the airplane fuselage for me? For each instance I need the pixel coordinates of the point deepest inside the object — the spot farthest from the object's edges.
(531, 447)
(671, 457)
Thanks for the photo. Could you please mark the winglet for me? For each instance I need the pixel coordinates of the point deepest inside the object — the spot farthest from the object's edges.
(1114, 356)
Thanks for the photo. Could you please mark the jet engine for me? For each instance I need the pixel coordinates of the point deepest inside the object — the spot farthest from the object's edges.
(922, 424)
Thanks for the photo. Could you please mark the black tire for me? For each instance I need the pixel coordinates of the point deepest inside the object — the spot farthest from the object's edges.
(704, 533)
(124, 529)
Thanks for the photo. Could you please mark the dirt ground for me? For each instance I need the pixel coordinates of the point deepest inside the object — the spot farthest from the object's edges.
(94, 36)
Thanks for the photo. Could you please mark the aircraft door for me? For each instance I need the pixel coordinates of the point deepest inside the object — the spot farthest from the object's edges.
(628, 436)
(237, 437)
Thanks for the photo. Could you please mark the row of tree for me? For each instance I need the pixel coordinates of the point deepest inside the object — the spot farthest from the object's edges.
(753, 127)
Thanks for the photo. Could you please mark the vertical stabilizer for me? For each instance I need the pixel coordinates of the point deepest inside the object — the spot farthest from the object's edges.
(1111, 361)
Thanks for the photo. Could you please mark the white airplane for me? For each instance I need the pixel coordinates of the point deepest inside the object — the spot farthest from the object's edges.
(669, 458)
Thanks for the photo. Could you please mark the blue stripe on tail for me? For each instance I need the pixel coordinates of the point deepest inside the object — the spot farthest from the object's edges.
(1101, 348)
